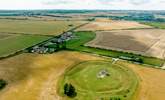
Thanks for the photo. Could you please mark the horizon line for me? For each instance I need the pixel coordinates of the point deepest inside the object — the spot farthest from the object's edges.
(89, 9)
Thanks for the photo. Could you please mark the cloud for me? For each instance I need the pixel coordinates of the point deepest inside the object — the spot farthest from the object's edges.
(73, 4)
(84, 4)
(139, 2)
(101, 4)
(52, 2)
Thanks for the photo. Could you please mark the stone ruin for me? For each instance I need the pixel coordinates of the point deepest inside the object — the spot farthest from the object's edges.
(103, 73)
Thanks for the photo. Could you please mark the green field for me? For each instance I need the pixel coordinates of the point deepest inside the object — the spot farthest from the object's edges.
(37, 27)
(160, 25)
(120, 83)
(77, 44)
(15, 43)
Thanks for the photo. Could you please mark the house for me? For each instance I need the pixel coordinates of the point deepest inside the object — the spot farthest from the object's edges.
(52, 45)
(40, 50)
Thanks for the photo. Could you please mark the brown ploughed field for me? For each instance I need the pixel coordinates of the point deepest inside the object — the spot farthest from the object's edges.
(149, 42)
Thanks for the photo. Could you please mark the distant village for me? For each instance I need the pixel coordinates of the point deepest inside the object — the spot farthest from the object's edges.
(52, 45)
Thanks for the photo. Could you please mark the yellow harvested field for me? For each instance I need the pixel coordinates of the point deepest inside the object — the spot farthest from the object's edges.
(4, 36)
(105, 25)
(43, 27)
(151, 82)
(149, 42)
(34, 76)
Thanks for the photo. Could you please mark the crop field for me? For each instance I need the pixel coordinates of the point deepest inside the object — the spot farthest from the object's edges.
(120, 82)
(160, 25)
(37, 26)
(149, 42)
(100, 25)
(3, 36)
(82, 55)
(82, 38)
(35, 77)
(151, 84)
(11, 43)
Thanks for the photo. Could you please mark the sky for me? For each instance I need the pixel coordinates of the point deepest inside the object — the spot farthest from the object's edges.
(83, 4)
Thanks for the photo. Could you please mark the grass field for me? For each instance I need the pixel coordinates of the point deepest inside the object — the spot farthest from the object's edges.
(14, 43)
(160, 25)
(121, 82)
(149, 42)
(84, 37)
(37, 27)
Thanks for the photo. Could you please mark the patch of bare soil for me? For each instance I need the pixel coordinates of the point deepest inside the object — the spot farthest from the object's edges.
(149, 42)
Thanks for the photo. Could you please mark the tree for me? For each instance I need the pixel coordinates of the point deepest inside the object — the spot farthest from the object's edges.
(70, 25)
(2, 84)
(57, 46)
(64, 45)
(69, 90)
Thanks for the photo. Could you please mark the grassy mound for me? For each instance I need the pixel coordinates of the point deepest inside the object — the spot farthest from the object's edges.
(115, 82)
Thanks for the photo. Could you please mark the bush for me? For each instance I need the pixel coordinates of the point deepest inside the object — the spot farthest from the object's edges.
(69, 90)
(2, 84)
(71, 25)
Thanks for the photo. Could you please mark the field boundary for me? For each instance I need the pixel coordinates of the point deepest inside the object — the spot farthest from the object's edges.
(124, 29)
(27, 34)
(22, 51)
